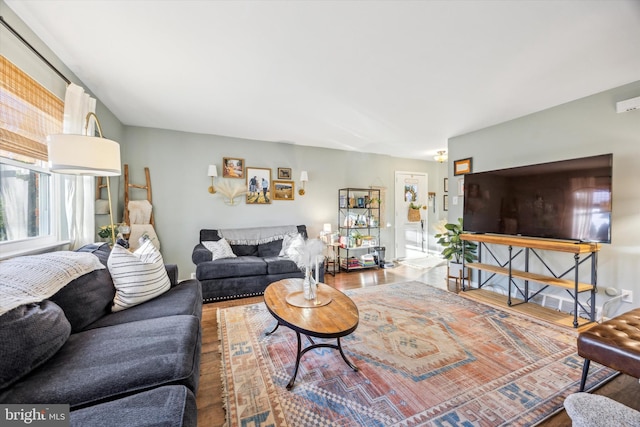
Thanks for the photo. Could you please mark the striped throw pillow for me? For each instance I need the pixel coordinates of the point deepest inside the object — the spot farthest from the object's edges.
(138, 276)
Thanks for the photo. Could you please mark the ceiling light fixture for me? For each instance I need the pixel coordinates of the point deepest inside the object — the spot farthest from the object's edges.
(441, 157)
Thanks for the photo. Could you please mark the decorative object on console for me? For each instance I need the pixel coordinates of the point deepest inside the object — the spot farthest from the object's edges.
(304, 177)
(86, 155)
(231, 192)
(212, 172)
(441, 157)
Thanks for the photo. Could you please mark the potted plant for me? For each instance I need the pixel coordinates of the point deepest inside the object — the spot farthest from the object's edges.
(454, 247)
(358, 237)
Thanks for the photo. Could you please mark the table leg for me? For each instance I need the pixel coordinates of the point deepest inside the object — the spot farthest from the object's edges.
(295, 371)
(311, 347)
(274, 329)
(348, 362)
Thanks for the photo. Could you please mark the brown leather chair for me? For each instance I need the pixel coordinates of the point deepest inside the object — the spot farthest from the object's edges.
(614, 343)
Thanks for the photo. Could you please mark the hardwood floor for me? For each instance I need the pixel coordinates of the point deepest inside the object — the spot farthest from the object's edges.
(211, 412)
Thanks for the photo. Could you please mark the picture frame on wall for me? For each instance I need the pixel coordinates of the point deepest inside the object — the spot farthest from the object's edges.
(446, 185)
(445, 202)
(283, 190)
(258, 186)
(284, 173)
(462, 166)
(232, 167)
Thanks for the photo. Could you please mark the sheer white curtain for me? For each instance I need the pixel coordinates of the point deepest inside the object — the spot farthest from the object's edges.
(79, 191)
(14, 192)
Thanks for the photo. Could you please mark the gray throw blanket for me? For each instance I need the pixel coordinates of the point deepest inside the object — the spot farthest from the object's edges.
(257, 235)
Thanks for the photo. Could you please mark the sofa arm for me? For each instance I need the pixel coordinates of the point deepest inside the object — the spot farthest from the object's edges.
(592, 410)
(201, 254)
(172, 272)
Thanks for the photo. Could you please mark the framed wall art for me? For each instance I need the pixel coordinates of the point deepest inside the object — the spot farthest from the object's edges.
(232, 167)
(258, 185)
(445, 202)
(461, 167)
(283, 190)
(284, 173)
(446, 185)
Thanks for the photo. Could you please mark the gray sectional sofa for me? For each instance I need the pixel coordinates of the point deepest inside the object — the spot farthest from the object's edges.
(139, 366)
(256, 264)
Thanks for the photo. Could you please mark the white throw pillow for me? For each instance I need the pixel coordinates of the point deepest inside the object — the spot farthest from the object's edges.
(219, 249)
(138, 276)
(294, 248)
(286, 243)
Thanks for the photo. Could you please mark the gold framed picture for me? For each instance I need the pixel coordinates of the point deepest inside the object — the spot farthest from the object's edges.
(461, 167)
(232, 167)
(284, 173)
(283, 190)
(259, 186)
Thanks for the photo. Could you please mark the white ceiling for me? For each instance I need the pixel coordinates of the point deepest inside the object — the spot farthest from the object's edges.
(388, 77)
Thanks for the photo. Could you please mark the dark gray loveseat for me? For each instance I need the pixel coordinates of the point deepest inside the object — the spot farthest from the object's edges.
(139, 366)
(255, 266)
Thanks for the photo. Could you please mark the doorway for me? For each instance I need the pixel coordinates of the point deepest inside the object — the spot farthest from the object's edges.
(410, 235)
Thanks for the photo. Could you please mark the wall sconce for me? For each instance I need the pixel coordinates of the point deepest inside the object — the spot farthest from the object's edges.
(213, 172)
(303, 178)
(441, 157)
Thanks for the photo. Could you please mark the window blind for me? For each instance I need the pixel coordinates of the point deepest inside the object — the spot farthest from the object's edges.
(28, 113)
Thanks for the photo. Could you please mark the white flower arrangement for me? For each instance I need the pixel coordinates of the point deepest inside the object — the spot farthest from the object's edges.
(309, 256)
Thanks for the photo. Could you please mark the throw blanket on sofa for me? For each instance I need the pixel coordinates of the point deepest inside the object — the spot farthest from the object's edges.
(257, 235)
(34, 278)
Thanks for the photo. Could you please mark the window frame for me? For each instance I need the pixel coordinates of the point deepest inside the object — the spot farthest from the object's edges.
(42, 243)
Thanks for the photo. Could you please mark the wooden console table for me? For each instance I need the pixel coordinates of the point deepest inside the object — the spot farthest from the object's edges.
(529, 246)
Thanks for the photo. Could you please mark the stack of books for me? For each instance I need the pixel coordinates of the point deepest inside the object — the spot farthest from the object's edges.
(350, 262)
(367, 260)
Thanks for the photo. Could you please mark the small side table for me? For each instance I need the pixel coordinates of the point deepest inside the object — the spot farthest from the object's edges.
(335, 262)
(458, 280)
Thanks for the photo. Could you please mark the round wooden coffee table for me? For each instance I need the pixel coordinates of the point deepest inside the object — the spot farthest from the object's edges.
(336, 319)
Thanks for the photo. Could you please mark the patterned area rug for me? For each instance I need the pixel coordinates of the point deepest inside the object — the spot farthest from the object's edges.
(426, 357)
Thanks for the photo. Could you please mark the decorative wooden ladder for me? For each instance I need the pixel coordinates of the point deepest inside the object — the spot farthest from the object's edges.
(128, 185)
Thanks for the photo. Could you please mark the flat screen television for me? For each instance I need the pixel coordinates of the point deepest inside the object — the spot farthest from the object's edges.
(565, 200)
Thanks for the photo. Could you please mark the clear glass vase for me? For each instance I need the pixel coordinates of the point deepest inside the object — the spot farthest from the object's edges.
(309, 286)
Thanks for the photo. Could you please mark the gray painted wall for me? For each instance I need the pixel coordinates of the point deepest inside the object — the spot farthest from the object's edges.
(585, 127)
(182, 205)
(178, 163)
